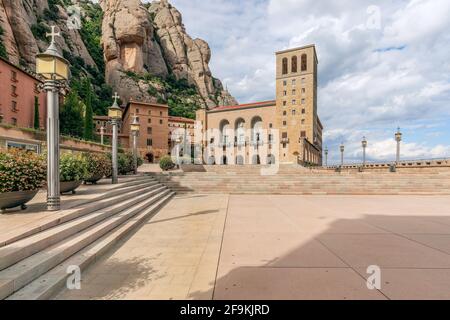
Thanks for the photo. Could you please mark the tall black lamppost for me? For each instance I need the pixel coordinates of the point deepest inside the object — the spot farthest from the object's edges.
(342, 148)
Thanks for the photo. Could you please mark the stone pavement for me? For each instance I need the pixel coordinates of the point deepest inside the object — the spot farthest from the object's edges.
(280, 247)
(172, 256)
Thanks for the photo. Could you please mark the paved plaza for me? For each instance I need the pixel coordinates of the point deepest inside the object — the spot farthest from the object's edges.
(280, 247)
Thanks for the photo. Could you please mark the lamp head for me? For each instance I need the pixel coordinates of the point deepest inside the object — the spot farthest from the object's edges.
(135, 126)
(398, 135)
(50, 64)
(115, 112)
(364, 142)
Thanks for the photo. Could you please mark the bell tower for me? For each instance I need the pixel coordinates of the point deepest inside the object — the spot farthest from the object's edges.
(296, 106)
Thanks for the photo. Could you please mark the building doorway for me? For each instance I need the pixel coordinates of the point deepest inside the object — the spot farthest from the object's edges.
(150, 158)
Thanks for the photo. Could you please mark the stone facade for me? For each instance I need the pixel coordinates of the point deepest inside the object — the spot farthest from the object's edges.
(287, 129)
(158, 134)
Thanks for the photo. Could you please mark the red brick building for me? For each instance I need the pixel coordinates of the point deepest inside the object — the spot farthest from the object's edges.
(18, 90)
(156, 131)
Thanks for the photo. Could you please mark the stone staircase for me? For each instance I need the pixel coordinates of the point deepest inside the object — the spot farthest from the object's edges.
(296, 180)
(34, 263)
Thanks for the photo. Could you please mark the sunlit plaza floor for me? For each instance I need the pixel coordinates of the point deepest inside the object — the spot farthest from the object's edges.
(280, 247)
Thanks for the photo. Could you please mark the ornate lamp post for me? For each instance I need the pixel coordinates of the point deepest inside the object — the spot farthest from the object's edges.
(55, 70)
(342, 148)
(135, 127)
(364, 145)
(102, 134)
(115, 114)
(398, 138)
(326, 156)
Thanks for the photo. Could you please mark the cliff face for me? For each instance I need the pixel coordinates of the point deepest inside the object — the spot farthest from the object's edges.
(154, 41)
(139, 42)
(20, 20)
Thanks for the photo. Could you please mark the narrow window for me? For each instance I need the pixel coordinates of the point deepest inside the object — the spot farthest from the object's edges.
(304, 62)
(303, 134)
(149, 130)
(285, 66)
(294, 64)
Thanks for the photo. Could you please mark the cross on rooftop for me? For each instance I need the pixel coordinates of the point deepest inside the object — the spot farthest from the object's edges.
(115, 97)
(53, 34)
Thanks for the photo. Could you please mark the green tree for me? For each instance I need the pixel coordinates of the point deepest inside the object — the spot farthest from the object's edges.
(37, 124)
(88, 117)
(3, 52)
(71, 116)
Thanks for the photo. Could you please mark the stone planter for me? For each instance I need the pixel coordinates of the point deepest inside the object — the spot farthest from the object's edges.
(69, 186)
(94, 179)
(14, 199)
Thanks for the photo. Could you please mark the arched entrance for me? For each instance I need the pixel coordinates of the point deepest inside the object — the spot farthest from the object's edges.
(270, 159)
(256, 159)
(224, 160)
(150, 158)
(239, 160)
(211, 160)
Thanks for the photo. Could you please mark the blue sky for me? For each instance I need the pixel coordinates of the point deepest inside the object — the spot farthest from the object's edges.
(380, 66)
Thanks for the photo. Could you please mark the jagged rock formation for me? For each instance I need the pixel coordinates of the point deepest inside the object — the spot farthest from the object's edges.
(154, 41)
(140, 42)
(17, 18)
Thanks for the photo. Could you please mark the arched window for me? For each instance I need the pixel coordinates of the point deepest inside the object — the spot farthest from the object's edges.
(304, 62)
(285, 66)
(294, 64)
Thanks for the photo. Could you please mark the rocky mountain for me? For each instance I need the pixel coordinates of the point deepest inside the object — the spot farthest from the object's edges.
(140, 50)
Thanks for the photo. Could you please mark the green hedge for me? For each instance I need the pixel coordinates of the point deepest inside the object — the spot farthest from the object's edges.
(21, 171)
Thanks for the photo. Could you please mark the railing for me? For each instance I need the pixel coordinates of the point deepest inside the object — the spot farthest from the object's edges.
(401, 164)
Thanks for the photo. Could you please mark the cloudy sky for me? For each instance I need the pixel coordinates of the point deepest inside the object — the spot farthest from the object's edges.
(382, 64)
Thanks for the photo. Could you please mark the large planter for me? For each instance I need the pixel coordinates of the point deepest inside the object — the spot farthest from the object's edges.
(69, 186)
(14, 199)
(94, 179)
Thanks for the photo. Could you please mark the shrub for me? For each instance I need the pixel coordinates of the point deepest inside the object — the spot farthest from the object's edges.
(166, 163)
(21, 171)
(125, 161)
(97, 165)
(72, 168)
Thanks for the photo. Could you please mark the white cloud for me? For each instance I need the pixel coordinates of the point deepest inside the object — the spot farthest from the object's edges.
(370, 80)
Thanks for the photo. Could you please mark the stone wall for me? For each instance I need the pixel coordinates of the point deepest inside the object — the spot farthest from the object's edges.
(37, 140)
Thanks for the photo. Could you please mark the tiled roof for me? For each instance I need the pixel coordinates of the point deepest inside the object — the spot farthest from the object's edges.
(269, 103)
(181, 119)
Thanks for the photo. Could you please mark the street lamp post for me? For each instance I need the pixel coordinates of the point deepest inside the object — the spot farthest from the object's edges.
(364, 146)
(102, 135)
(135, 127)
(55, 71)
(398, 138)
(326, 156)
(342, 147)
(115, 114)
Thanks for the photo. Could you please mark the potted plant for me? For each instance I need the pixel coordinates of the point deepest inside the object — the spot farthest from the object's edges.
(166, 163)
(72, 172)
(22, 174)
(97, 166)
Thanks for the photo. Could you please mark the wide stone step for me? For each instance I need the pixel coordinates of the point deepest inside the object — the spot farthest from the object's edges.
(22, 273)
(49, 283)
(24, 248)
(109, 198)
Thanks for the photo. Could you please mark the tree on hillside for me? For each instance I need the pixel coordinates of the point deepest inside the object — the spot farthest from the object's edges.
(71, 116)
(36, 123)
(88, 117)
